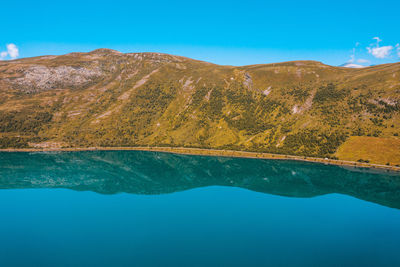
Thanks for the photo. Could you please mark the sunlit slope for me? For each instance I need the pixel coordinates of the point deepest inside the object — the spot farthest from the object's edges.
(375, 149)
(106, 98)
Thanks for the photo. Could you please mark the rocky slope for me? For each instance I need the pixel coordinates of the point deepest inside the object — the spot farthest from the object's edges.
(107, 98)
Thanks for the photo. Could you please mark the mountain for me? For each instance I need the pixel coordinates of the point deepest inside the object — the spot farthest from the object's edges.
(107, 98)
(351, 65)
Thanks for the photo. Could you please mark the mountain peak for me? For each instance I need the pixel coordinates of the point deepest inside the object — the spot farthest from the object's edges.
(105, 51)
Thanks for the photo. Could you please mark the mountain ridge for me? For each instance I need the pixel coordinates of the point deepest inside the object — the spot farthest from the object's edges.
(113, 51)
(108, 98)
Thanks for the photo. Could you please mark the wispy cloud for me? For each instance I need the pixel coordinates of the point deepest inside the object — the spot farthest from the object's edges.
(3, 55)
(12, 52)
(379, 51)
(398, 50)
(353, 54)
(378, 40)
(353, 58)
(361, 60)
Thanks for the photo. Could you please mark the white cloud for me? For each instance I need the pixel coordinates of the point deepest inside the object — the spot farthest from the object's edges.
(379, 51)
(3, 55)
(361, 60)
(13, 51)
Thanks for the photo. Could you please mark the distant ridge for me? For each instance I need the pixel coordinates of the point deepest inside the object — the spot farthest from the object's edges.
(352, 65)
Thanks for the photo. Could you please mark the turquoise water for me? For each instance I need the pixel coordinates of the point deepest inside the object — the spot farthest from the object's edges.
(130, 208)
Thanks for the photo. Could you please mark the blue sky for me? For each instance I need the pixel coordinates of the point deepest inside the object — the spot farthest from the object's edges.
(224, 32)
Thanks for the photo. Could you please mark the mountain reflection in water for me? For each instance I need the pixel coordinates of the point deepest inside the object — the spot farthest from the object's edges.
(139, 172)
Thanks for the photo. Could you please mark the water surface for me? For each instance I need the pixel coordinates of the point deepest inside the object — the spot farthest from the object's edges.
(149, 209)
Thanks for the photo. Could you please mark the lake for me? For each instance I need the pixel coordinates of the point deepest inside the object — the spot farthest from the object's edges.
(133, 208)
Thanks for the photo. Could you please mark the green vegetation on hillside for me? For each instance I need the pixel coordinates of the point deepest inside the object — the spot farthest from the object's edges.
(300, 108)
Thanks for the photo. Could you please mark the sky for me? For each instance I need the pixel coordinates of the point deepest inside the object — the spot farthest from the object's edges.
(362, 32)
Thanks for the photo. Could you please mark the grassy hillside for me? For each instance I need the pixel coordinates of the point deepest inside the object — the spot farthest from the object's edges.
(375, 149)
(106, 98)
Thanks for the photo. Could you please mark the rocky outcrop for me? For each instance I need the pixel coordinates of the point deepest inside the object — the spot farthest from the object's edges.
(43, 78)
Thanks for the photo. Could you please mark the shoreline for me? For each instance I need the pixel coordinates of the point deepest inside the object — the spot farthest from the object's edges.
(213, 152)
